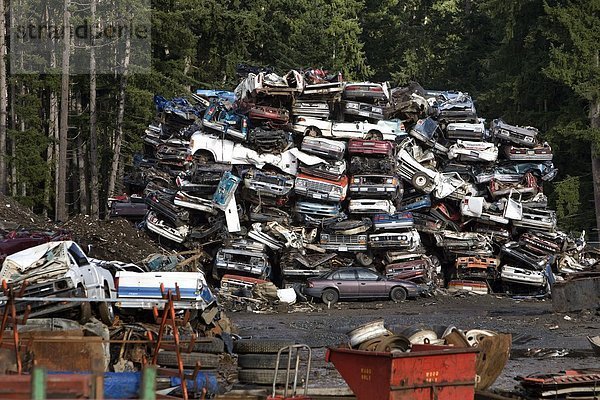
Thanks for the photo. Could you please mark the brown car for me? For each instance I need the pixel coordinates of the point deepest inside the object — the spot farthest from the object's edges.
(359, 283)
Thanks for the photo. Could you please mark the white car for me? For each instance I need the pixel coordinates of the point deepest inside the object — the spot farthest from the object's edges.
(427, 180)
(382, 130)
(226, 151)
(467, 151)
(371, 206)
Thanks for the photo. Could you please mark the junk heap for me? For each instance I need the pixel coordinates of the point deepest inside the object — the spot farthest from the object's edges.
(290, 176)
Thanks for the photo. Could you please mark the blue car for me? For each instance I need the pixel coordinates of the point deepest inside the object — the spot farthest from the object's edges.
(217, 118)
(226, 190)
(394, 221)
(212, 95)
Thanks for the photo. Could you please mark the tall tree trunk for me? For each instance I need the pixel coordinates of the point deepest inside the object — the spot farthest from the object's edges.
(13, 127)
(61, 195)
(3, 99)
(81, 153)
(93, 160)
(50, 155)
(21, 121)
(595, 124)
(114, 168)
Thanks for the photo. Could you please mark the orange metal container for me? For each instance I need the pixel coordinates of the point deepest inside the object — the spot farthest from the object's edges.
(422, 374)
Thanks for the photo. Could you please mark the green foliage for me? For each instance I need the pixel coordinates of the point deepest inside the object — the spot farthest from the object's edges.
(531, 62)
(574, 53)
(568, 204)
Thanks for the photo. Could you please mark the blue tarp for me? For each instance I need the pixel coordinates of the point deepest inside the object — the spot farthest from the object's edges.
(126, 385)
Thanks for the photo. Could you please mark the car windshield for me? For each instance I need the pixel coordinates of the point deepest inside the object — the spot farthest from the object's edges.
(426, 127)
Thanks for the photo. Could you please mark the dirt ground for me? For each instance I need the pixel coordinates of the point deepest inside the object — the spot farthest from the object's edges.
(532, 324)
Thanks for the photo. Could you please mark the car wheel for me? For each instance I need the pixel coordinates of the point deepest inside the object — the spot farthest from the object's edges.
(262, 376)
(246, 346)
(263, 361)
(364, 259)
(203, 157)
(330, 296)
(420, 180)
(313, 131)
(189, 360)
(374, 135)
(106, 310)
(398, 294)
(85, 312)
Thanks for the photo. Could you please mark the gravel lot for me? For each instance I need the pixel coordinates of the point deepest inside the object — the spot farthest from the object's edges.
(531, 322)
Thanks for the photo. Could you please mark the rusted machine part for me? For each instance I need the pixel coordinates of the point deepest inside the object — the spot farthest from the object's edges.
(494, 352)
(74, 386)
(10, 317)
(168, 317)
(391, 343)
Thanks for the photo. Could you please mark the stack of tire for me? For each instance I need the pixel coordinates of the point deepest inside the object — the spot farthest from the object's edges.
(257, 359)
(205, 350)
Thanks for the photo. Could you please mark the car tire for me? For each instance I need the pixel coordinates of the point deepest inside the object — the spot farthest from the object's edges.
(398, 294)
(261, 376)
(261, 346)
(264, 361)
(364, 259)
(213, 346)
(374, 135)
(169, 359)
(106, 310)
(312, 131)
(85, 312)
(330, 296)
(420, 180)
(107, 313)
(203, 157)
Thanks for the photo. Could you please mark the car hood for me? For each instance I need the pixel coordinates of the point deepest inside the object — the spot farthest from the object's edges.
(38, 264)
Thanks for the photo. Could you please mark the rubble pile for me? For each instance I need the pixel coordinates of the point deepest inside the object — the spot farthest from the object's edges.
(14, 215)
(290, 176)
(111, 240)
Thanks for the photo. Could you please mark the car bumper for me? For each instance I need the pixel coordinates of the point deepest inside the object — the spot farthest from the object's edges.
(312, 292)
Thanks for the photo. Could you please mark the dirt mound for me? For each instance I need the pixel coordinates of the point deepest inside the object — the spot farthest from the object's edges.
(115, 239)
(14, 215)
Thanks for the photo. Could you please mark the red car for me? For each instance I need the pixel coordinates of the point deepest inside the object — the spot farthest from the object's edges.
(370, 147)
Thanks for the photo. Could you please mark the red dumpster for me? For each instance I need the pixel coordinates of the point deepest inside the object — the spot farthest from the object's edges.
(423, 374)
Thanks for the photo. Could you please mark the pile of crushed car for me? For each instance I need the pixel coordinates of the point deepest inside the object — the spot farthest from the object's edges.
(288, 178)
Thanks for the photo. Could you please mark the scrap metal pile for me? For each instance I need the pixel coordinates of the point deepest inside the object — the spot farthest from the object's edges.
(290, 176)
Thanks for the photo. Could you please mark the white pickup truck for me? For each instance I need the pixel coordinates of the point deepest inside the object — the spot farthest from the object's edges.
(141, 290)
(60, 270)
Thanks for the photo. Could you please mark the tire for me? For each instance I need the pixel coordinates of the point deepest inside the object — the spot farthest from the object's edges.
(364, 259)
(169, 358)
(203, 157)
(85, 312)
(264, 361)
(398, 294)
(106, 310)
(420, 180)
(262, 376)
(312, 131)
(214, 346)
(261, 346)
(330, 296)
(374, 135)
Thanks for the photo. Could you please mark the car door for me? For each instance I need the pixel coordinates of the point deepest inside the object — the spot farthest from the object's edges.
(370, 284)
(346, 282)
(347, 130)
(87, 272)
